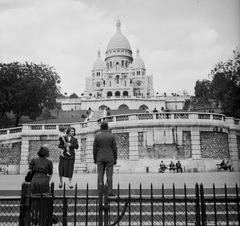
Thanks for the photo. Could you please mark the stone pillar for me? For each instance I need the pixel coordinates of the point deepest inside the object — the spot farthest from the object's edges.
(77, 156)
(233, 150)
(89, 153)
(24, 155)
(133, 146)
(197, 165)
(196, 148)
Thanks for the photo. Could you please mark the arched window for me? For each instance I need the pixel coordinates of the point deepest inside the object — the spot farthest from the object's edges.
(109, 93)
(125, 93)
(117, 94)
(117, 79)
(123, 107)
(122, 62)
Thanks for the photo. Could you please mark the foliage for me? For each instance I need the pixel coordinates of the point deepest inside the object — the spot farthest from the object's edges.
(26, 89)
(202, 89)
(223, 86)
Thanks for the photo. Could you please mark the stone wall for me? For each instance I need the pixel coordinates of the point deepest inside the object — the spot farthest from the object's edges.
(198, 140)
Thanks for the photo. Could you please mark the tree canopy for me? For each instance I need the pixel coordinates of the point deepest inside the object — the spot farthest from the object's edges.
(223, 86)
(26, 89)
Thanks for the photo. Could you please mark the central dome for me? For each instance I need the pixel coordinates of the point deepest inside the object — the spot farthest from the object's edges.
(118, 41)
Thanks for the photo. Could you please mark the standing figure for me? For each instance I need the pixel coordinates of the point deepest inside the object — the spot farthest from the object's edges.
(105, 156)
(43, 170)
(41, 209)
(66, 163)
(62, 138)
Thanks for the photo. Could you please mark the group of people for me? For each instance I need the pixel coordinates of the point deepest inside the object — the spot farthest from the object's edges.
(172, 167)
(226, 165)
(104, 155)
(42, 167)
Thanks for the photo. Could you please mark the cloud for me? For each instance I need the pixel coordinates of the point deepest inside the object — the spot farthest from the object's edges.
(60, 33)
(202, 38)
(66, 34)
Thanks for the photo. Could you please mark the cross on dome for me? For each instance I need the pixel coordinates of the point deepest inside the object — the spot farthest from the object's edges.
(118, 25)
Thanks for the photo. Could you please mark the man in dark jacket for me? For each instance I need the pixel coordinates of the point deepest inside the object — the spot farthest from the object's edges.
(105, 156)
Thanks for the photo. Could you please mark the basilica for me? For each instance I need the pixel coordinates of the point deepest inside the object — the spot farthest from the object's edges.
(200, 140)
(120, 81)
(119, 75)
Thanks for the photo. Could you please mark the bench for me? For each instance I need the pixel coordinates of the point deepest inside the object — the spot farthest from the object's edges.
(219, 167)
(170, 169)
(162, 169)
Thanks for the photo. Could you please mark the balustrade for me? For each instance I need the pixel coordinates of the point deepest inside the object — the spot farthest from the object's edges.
(118, 118)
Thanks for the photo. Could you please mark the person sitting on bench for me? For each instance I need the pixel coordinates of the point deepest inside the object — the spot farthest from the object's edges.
(223, 165)
(229, 166)
(162, 167)
(179, 167)
(171, 166)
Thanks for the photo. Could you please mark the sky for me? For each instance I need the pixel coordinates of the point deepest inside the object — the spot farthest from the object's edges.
(180, 41)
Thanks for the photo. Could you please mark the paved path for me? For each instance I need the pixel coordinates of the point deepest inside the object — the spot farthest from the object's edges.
(13, 182)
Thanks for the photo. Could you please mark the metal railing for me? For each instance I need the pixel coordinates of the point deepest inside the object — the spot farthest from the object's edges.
(154, 206)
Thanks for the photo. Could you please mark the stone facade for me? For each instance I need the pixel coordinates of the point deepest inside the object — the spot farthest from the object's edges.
(120, 81)
(119, 75)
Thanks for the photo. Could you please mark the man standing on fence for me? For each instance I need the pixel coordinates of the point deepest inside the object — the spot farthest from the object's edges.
(105, 156)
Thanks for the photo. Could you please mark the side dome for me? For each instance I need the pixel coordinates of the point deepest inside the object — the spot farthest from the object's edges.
(118, 41)
(99, 63)
(138, 62)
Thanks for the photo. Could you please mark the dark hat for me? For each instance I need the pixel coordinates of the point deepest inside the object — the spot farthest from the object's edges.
(104, 125)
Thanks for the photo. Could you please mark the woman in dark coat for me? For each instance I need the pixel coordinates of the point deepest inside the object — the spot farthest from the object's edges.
(41, 210)
(43, 170)
(66, 163)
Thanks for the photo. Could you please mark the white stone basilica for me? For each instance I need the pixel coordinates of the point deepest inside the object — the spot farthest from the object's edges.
(119, 75)
(120, 82)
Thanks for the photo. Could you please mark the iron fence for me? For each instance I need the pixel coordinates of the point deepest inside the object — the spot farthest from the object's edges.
(154, 206)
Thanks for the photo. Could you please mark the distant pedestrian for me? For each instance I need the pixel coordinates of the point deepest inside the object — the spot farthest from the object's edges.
(105, 156)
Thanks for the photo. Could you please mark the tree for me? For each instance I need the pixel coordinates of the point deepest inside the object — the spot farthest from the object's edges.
(202, 89)
(225, 85)
(28, 89)
(8, 76)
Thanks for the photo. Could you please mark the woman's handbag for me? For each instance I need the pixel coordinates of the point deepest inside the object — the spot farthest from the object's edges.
(29, 176)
